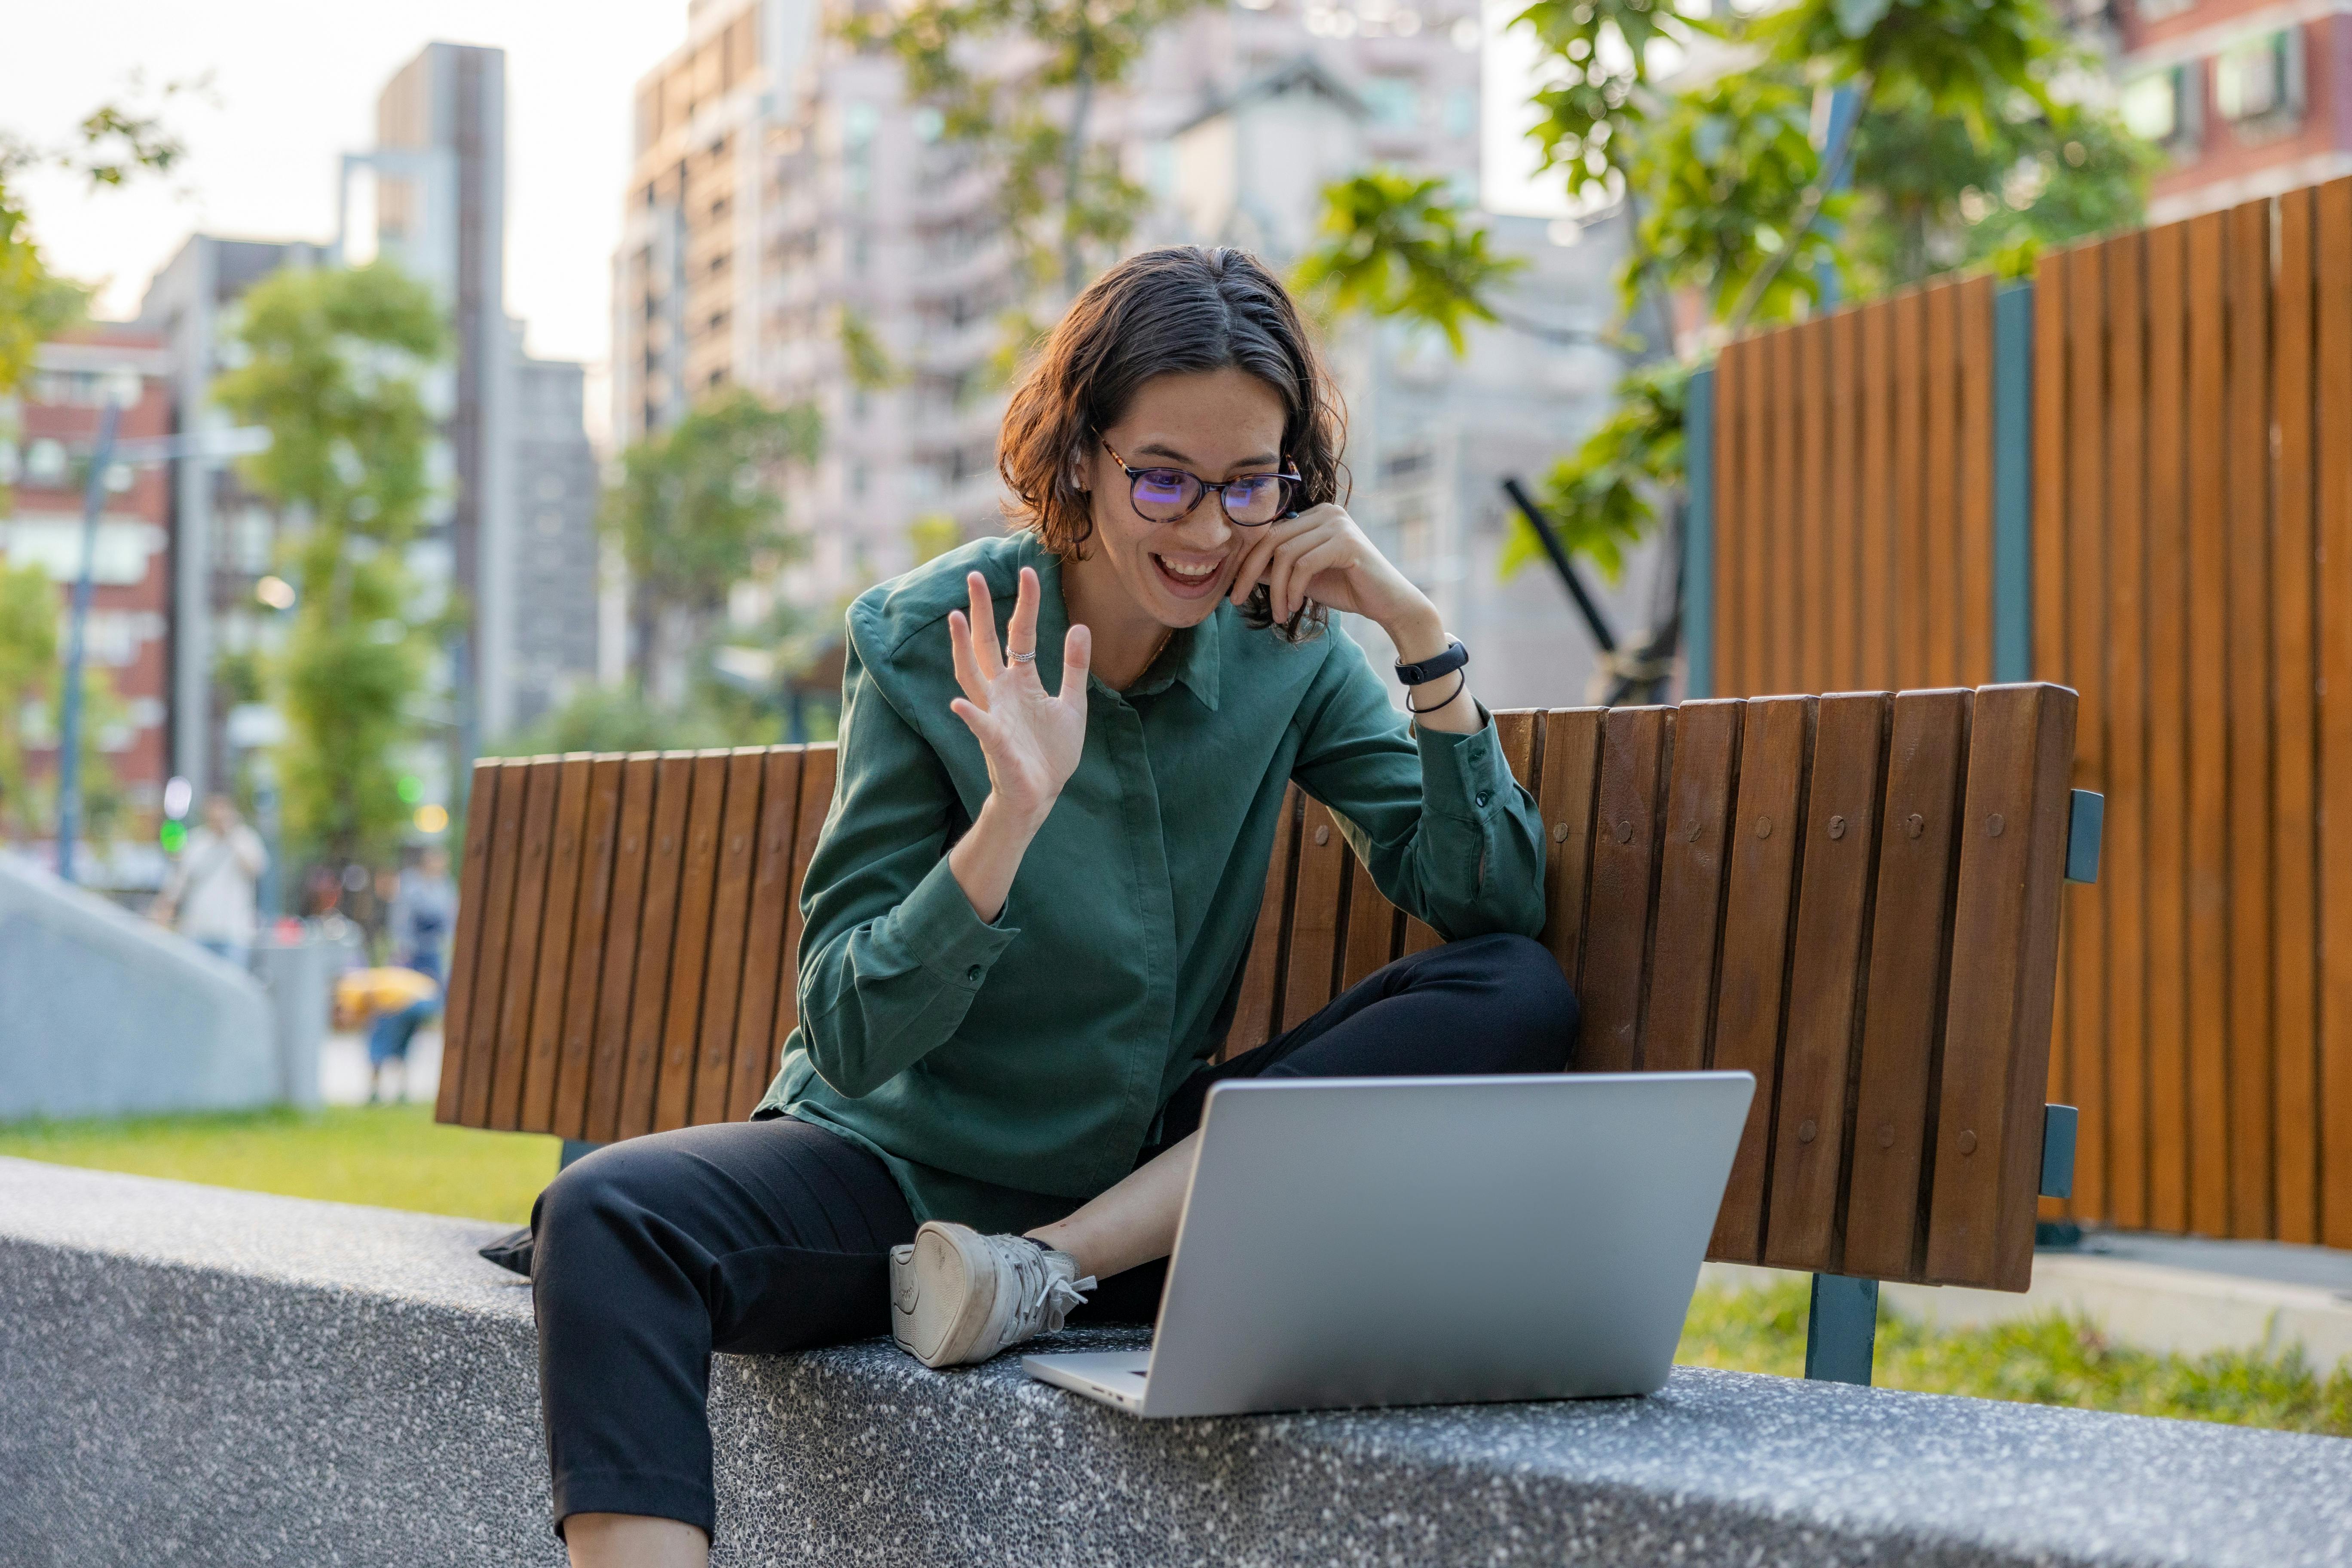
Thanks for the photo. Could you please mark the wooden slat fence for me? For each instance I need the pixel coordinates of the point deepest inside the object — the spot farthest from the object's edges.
(2191, 576)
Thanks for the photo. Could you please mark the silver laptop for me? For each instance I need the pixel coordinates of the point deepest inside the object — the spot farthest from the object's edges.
(1431, 1240)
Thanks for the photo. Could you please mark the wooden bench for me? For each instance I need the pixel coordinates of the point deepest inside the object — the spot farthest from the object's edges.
(1854, 896)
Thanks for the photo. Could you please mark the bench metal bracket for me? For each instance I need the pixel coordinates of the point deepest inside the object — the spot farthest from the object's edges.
(2058, 1150)
(1842, 1330)
(2085, 822)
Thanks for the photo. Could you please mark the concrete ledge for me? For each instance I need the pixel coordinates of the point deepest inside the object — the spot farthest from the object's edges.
(197, 1375)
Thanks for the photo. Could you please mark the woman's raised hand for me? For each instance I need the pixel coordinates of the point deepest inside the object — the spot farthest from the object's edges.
(1032, 738)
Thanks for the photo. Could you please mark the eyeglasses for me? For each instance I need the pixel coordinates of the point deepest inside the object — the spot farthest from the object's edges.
(1169, 495)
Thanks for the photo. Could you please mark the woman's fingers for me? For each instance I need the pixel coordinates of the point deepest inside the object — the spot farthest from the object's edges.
(978, 720)
(1253, 566)
(1078, 657)
(1332, 554)
(985, 653)
(1020, 632)
(1283, 579)
(967, 673)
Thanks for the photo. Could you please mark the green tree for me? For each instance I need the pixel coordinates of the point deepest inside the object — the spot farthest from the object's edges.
(333, 362)
(1952, 148)
(696, 511)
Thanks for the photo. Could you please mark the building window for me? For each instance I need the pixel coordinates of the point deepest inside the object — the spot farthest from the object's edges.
(2259, 83)
(2165, 107)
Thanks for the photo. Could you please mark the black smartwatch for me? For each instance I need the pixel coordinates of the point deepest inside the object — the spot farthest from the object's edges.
(1454, 656)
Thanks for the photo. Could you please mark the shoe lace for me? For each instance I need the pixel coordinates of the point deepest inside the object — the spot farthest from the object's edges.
(1047, 1297)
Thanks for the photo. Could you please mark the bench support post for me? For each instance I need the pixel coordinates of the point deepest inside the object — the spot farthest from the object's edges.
(574, 1148)
(1842, 1330)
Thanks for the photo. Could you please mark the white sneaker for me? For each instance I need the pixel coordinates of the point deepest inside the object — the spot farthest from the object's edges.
(958, 1297)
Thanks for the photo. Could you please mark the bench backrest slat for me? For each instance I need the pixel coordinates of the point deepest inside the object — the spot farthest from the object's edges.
(1903, 1016)
(1677, 1032)
(1782, 885)
(1825, 979)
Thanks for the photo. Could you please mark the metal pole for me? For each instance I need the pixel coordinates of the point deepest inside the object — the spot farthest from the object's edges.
(1594, 621)
(93, 499)
(1842, 1330)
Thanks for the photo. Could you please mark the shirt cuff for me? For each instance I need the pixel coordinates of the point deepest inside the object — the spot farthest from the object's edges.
(1463, 776)
(936, 923)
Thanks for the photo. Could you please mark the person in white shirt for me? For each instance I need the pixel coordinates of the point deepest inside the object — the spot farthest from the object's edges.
(210, 896)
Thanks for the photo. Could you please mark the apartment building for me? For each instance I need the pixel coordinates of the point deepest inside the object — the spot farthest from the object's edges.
(2248, 98)
(786, 197)
(44, 442)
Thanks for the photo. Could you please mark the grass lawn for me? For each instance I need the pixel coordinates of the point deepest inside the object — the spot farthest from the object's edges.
(398, 1157)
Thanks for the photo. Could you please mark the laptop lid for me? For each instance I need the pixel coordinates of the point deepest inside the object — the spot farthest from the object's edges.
(1434, 1240)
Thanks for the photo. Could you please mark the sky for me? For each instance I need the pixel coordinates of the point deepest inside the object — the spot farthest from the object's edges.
(293, 85)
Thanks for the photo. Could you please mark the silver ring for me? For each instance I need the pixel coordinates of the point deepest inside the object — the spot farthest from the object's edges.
(1029, 658)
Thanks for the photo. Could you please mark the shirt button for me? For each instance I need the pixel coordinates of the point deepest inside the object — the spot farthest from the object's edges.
(1484, 797)
(972, 974)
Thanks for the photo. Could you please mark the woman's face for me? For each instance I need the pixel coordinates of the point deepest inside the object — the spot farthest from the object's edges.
(1217, 425)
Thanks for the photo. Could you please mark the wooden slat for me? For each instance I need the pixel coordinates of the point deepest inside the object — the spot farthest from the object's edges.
(2332, 379)
(1903, 1014)
(1875, 646)
(543, 777)
(2207, 969)
(1756, 504)
(1815, 568)
(1844, 591)
(763, 930)
(1812, 1121)
(1677, 1030)
(623, 927)
(1784, 561)
(2123, 880)
(1258, 1013)
(591, 957)
(689, 958)
(2168, 768)
(558, 911)
(656, 927)
(1375, 929)
(2295, 1083)
(1997, 1023)
(1774, 741)
(1420, 937)
(723, 975)
(1915, 580)
(1974, 534)
(1731, 413)
(2247, 555)
(2086, 644)
(466, 945)
(818, 771)
(498, 926)
(1571, 771)
(1636, 754)
(1318, 900)
(1939, 647)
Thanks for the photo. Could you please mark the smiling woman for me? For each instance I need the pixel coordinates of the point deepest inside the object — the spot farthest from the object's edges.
(1027, 917)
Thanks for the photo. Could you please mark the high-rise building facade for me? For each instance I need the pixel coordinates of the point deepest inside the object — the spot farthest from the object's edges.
(786, 196)
(2247, 98)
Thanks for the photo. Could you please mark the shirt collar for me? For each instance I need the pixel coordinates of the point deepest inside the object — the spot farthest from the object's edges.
(1191, 657)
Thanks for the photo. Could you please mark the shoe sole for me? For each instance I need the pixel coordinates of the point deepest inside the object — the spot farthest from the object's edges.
(936, 1315)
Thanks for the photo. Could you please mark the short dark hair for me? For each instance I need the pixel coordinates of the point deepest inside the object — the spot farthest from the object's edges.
(1182, 309)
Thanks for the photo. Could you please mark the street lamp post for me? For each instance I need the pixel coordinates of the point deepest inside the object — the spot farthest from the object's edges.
(103, 459)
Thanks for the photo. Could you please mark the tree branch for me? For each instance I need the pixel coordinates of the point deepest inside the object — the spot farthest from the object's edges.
(1833, 170)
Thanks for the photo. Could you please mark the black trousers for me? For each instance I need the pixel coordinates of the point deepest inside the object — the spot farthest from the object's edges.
(765, 1236)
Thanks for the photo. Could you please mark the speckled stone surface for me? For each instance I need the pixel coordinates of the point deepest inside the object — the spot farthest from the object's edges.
(193, 1375)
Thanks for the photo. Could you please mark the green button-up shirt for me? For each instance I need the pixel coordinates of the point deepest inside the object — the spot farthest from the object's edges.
(1007, 1071)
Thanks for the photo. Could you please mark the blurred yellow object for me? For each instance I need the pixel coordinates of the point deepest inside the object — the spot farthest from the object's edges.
(361, 994)
(431, 819)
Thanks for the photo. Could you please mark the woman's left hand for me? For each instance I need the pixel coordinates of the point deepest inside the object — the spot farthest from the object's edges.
(1322, 554)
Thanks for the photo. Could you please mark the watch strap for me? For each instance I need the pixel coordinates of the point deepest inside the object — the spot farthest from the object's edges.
(1454, 656)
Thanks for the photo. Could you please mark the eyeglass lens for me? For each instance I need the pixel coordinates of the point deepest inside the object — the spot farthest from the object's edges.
(1167, 495)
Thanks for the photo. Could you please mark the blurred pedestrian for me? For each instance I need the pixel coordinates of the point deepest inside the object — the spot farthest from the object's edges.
(391, 1002)
(424, 913)
(209, 897)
